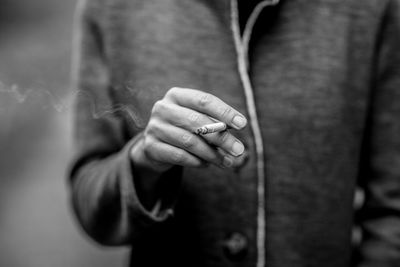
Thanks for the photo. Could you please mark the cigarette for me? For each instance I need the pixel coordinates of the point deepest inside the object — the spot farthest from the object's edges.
(211, 128)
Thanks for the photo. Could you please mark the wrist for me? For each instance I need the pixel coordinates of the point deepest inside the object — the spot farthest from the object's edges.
(146, 175)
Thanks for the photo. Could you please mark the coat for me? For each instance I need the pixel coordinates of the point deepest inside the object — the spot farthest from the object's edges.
(319, 82)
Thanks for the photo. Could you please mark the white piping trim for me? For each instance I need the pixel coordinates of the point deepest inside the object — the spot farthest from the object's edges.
(248, 29)
(241, 45)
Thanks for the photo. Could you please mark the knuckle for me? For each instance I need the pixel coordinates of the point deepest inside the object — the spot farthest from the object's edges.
(205, 99)
(148, 142)
(172, 92)
(188, 140)
(148, 146)
(177, 156)
(153, 126)
(146, 133)
(226, 112)
(158, 107)
(194, 117)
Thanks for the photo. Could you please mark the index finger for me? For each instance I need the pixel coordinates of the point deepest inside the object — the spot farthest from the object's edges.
(207, 104)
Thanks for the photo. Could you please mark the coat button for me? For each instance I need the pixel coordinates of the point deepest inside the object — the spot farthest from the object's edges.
(235, 246)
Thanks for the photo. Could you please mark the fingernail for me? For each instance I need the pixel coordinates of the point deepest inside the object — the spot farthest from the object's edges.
(239, 122)
(237, 148)
(227, 162)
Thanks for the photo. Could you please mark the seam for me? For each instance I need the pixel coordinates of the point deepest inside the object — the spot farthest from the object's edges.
(241, 45)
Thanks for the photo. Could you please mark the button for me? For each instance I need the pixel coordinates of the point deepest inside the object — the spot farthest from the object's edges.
(235, 246)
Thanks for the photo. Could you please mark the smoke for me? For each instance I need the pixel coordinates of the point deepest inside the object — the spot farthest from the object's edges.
(64, 104)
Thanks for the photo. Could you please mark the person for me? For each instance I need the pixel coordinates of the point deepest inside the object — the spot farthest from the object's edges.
(309, 91)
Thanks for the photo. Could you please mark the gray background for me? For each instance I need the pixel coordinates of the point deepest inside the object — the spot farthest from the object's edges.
(36, 225)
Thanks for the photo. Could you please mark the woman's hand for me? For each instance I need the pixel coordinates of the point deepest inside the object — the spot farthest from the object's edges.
(169, 137)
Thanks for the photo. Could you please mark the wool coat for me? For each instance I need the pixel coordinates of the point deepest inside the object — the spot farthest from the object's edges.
(318, 80)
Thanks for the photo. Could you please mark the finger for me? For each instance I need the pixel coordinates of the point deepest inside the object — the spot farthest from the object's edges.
(190, 120)
(226, 141)
(186, 140)
(208, 104)
(232, 162)
(179, 116)
(166, 154)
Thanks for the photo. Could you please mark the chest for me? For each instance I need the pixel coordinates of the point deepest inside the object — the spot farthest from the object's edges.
(308, 59)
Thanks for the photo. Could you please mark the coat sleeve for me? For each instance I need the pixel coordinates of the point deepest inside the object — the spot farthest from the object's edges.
(102, 177)
(380, 215)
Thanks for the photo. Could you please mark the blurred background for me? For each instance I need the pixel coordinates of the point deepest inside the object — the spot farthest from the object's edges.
(36, 224)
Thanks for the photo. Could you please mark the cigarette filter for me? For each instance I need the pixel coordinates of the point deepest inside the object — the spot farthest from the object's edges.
(211, 128)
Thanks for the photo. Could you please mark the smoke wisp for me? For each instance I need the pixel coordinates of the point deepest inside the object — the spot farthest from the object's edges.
(63, 104)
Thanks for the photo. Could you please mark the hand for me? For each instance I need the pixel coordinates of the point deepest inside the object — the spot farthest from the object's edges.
(169, 137)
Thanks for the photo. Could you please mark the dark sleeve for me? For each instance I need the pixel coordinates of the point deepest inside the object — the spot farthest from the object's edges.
(104, 197)
(380, 215)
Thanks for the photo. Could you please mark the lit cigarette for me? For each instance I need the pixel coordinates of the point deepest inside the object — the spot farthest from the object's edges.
(211, 128)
